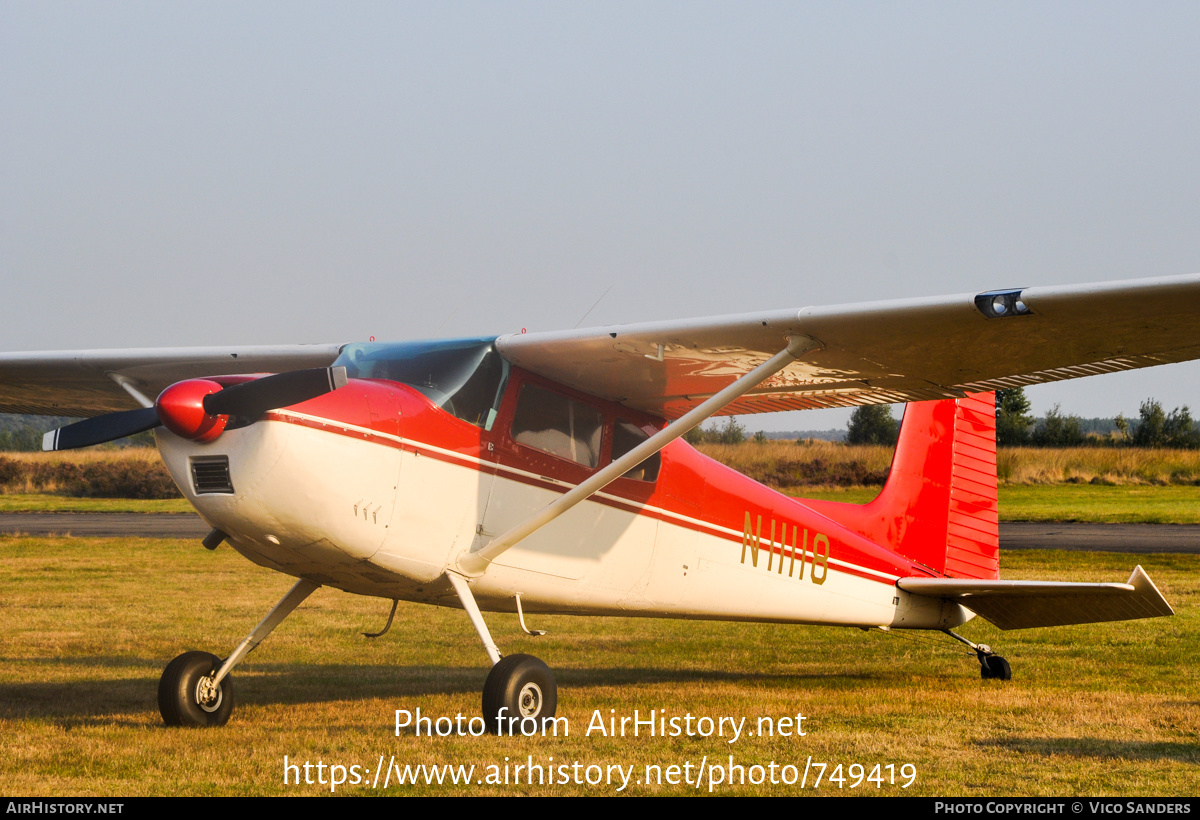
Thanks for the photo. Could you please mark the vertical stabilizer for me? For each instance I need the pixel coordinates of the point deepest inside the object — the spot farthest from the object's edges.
(938, 507)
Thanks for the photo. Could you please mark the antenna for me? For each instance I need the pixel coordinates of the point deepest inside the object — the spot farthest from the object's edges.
(444, 321)
(593, 307)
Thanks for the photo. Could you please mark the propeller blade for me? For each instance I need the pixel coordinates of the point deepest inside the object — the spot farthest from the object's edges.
(248, 400)
(251, 399)
(108, 427)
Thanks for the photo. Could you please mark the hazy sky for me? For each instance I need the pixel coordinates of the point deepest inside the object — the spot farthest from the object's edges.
(206, 173)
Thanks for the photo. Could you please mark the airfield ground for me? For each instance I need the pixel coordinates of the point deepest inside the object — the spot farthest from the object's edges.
(1097, 710)
(90, 623)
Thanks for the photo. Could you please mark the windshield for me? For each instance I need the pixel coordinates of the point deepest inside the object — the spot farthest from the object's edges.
(465, 377)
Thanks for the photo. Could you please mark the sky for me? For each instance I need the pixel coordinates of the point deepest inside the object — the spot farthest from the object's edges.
(251, 172)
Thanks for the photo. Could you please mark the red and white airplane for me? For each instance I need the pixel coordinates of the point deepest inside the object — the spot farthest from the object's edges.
(541, 472)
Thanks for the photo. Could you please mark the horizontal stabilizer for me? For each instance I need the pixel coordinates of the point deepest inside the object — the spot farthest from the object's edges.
(1025, 604)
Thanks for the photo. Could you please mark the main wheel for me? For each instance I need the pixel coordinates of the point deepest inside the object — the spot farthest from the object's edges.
(995, 667)
(518, 688)
(186, 699)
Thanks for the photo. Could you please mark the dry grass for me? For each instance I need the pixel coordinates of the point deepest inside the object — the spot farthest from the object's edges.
(1100, 710)
(787, 465)
(135, 472)
(783, 464)
(1097, 465)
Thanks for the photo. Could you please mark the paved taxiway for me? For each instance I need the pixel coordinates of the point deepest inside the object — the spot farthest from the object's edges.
(1138, 538)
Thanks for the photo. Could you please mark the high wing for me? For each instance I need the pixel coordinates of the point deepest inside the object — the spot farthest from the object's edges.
(868, 353)
(878, 352)
(86, 383)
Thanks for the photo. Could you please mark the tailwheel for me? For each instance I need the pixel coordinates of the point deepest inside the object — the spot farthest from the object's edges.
(186, 696)
(991, 665)
(994, 667)
(518, 688)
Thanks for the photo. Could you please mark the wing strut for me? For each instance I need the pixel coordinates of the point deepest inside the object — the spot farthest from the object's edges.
(474, 563)
(129, 387)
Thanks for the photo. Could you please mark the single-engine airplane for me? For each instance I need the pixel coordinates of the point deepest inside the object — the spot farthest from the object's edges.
(542, 473)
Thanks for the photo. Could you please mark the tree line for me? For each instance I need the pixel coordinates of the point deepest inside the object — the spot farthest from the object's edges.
(1154, 427)
(1016, 426)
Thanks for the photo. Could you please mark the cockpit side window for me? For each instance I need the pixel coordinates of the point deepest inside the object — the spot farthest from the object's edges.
(558, 425)
(626, 436)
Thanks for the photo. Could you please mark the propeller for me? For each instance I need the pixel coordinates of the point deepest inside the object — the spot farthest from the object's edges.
(201, 409)
(108, 427)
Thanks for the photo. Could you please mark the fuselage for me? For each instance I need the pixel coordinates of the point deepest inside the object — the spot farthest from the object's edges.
(376, 488)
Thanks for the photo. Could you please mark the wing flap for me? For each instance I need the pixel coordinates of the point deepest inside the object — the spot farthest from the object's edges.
(1027, 604)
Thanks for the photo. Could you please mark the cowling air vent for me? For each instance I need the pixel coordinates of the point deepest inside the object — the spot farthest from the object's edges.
(210, 474)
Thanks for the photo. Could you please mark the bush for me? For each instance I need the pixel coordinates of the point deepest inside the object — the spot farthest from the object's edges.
(798, 473)
(1013, 420)
(731, 433)
(53, 474)
(11, 471)
(1057, 430)
(872, 424)
(1159, 429)
(115, 479)
(89, 477)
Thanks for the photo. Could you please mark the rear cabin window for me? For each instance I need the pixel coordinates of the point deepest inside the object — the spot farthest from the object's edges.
(626, 436)
(558, 425)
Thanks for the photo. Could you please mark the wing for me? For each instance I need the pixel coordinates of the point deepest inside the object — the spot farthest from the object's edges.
(878, 352)
(870, 353)
(88, 383)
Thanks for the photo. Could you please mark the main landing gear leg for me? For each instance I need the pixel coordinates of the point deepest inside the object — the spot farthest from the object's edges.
(519, 687)
(991, 665)
(196, 688)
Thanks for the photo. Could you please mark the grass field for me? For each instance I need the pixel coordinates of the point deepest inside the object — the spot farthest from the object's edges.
(1130, 486)
(50, 502)
(789, 466)
(1119, 504)
(1130, 504)
(133, 472)
(1098, 710)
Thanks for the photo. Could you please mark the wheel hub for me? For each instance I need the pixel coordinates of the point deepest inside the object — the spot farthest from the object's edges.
(529, 701)
(208, 697)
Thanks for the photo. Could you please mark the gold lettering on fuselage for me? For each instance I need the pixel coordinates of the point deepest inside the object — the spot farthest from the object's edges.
(752, 543)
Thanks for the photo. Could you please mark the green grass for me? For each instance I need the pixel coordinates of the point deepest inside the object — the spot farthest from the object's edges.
(1124, 504)
(40, 502)
(1133, 485)
(1097, 710)
(1130, 503)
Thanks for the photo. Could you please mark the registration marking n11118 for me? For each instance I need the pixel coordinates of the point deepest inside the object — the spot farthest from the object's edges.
(817, 559)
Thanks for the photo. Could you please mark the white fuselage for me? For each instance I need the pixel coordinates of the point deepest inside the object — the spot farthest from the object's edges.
(381, 515)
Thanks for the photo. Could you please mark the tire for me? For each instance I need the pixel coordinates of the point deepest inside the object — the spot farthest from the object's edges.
(518, 687)
(995, 667)
(178, 698)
